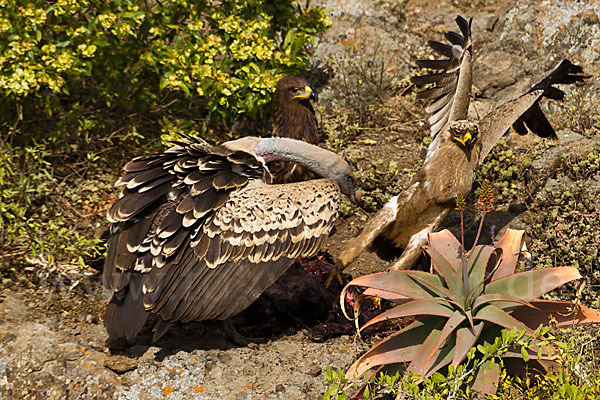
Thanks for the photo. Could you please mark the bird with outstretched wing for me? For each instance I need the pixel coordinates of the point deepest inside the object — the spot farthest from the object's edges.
(458, 148)
(198, 234)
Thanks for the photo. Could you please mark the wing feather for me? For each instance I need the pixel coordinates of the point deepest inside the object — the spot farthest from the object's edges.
(231, 269)
(451, 87)
(524, 111)
(210, 236)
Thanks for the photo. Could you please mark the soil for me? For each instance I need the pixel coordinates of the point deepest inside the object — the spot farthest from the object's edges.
(52, 340)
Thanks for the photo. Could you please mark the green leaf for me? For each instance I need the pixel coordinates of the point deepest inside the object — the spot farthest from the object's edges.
(524, 354)
(288, 39)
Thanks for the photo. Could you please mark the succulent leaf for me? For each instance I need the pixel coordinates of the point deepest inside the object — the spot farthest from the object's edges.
(487, 378)
(510, 243)
(400, 282)
(448, 246)
(430, 350)
(495, 315)
(530, 285)
(441, 291)
(564, 313)
(401, 346)
(477, 261)
(446, 271)
(467, 302)
(466, 337)
(449, 328)
(431, 306)
(499, 299)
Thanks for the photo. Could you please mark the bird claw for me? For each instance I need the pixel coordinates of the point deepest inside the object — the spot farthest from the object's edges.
(232, 334)
(336, 272)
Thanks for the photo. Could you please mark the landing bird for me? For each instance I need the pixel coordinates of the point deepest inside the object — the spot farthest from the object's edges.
(198, 234)
(458, 148)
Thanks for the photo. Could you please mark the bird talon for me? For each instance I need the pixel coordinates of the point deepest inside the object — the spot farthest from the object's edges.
(336, 272)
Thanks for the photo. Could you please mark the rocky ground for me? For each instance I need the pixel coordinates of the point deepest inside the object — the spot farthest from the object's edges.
(52, 342)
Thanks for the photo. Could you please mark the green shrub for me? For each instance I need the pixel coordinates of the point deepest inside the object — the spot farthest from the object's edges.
(576, 376)
(83, 82)
(88, 66)
(36, 210)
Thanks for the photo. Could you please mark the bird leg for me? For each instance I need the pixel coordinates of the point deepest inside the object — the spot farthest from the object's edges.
(336, 272)
(411, 252)
(373, 228)
(232, 334)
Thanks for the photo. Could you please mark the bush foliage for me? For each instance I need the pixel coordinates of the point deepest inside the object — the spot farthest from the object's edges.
(79, 77)
(102, 65)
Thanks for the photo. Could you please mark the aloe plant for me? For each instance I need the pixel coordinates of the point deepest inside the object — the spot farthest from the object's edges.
(466, 299)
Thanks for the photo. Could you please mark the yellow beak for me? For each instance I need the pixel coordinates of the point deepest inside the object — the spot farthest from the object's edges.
(466, 140)
(308, 94)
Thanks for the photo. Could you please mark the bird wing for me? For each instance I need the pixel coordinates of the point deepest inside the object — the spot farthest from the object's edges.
(160, 192)
(198, 235)
(525, 112)
(452, 83)
(226, 262)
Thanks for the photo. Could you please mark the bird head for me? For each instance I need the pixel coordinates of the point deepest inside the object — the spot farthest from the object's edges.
(349, 186)
(293, 88)
(464, 132)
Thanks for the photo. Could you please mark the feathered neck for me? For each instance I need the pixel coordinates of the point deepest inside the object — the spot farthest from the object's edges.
(295, 119)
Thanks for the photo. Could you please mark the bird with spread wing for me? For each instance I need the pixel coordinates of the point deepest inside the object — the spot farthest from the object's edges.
(458, 148)
(199, 232)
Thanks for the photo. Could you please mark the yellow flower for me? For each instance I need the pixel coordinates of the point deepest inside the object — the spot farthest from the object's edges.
(107, 20)
(87, 50)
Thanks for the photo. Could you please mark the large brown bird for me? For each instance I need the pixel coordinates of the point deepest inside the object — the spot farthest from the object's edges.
(294, 117)
(458, 149)
(197, 233)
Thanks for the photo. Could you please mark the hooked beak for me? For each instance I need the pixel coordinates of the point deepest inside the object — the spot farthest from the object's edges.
(467, 141)
(308, 94)
(356, 196)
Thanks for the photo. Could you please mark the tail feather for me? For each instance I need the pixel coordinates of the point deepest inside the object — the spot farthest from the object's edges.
(125, 314)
